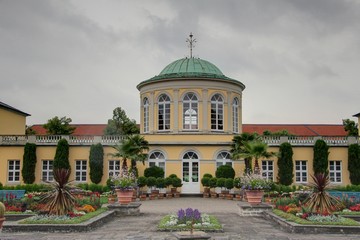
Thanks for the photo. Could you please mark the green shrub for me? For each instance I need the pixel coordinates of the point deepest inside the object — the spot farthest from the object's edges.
(151, 182)
(96, 162)
(173, 175)
(176, 182)
(225, 171)
(160, 182)
(321, 154)
(208, 175)
(141, 181)
(154, 171)
(229, 183)
(212, 182)
(237, 183)
(354, 163)
(61, 159)
(168, 181)
(1, 186)
(29, 163)
(285, 164)
(220, 182)
(205, 181)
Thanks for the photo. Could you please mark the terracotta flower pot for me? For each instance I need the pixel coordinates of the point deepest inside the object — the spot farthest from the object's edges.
(254, 197)
(124, 196)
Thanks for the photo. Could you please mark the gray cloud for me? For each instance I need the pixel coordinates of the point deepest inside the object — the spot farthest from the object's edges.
(298, 59)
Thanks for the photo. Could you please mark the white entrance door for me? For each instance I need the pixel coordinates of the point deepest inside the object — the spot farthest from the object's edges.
(190, 176)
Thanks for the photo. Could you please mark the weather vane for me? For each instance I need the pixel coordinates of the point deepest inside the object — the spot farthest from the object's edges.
(191, 42)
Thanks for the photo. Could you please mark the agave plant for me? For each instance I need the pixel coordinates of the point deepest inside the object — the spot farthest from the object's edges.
(320, 201)
(59, 199)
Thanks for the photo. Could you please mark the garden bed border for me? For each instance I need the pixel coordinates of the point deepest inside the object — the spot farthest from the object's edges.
(310, 229)
(88, 225)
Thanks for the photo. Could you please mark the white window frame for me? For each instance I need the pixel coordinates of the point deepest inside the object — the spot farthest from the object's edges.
(164, 111)
(235, 115)
(157, 158)
(267, 169)
(146, 106)
(13, 171)
(217, 113)
(299, 171)
(47, 170)
(79, 173)
(223, 158)
(335, 171)
(113, 168)
(190, 112)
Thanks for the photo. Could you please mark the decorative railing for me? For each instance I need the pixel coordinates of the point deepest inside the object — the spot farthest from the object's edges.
(115, 139)
(54, 139)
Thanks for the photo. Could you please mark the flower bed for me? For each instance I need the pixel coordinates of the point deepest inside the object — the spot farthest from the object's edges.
(71, 218)
(189, 219)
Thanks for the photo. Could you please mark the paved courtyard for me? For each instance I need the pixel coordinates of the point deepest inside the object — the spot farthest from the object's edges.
(144, 226)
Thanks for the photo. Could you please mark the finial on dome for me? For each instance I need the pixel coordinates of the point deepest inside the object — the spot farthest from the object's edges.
(191, 42)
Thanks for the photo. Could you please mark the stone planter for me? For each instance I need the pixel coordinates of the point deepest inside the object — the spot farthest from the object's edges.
(161, 196)
(254, 197)
(229, 196)
(111, 199)
(176, 195)
(238, 197)
(213, 195)
(124, 196)
(1, 222)
(206, 195)
(169, 195)
(143, 197)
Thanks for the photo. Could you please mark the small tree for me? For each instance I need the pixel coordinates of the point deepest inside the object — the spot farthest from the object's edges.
(29, 163)
(59, 126)
(61, 159)
(121, 124)
(225, 171)
(321, 154)
(354, 163)
(229, 183)
(96, 160)
(350, 127)
(285, 164)
(154, 171)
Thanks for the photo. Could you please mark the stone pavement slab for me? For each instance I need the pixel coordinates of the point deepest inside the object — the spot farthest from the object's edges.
(143, 227)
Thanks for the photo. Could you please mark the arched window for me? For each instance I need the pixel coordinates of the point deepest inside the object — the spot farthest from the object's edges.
(146, 115)
(157, 159)
(223, 158)
(235, 115)
(164, 112)
(217, 112)
(190, 112)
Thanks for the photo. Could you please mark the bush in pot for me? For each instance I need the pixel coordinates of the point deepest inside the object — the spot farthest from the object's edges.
(205, 181)
(176, 183)
(225, 171)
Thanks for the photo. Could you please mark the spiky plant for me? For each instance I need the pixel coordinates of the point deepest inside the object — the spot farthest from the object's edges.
(320, 201)
(59, 200)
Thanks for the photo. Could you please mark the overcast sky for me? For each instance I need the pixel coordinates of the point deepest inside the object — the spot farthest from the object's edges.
(299, 60)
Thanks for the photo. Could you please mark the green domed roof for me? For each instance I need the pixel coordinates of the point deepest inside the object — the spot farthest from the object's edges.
(190, 69)
(195, 66)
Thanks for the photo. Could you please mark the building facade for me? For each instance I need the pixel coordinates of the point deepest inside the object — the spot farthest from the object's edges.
(189, 114)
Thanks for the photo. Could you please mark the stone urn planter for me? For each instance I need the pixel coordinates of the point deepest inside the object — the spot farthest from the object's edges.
(124, 196)
(254, 197)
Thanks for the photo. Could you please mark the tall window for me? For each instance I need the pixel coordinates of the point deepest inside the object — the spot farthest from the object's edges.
(190, 112)
(47, 170)
(157, 159)
(335, 171)
(14, 171)
(235, 115)
(217, 112)
(80, 170)
(190, 167)
(268, 170)
(300, 171)
(146, 115)
(114, 168)
(223, 158)
(164, 112)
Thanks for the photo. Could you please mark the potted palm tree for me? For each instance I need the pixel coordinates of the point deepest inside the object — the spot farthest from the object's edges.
(2, 214)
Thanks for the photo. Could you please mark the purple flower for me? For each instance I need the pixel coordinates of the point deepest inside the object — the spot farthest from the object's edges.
(189, 213)
(196, 215)
(181, 214)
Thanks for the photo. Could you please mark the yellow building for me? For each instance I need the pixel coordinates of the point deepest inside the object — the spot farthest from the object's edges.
(189, 113)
